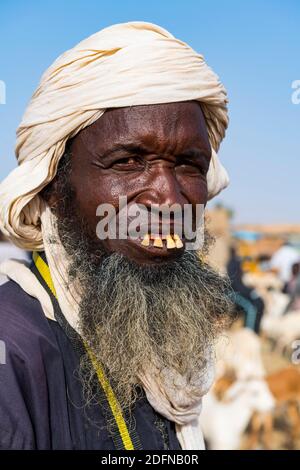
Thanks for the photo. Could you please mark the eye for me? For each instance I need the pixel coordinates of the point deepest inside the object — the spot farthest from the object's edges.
(128, 163)
(189, 167)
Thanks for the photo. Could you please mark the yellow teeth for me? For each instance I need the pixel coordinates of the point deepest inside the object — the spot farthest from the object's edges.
(146, 240)
(170, 242)
(178, 243)
(158, 242)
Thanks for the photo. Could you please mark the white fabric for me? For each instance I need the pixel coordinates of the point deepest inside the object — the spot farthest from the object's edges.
(8, 251)
(124, 65)
(180, 400)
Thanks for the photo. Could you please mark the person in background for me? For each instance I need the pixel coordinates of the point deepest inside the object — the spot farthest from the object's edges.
(245, 298)
(293, 289)
(282, 262)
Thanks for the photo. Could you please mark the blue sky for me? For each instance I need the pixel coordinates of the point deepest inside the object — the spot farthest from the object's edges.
(254, 46)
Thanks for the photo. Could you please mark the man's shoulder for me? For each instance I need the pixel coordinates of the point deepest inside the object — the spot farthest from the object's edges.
(21, 315)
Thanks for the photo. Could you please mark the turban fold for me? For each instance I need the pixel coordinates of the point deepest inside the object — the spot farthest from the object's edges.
(126, 64)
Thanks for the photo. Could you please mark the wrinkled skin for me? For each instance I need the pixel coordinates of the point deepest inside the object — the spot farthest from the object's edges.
(154, 154)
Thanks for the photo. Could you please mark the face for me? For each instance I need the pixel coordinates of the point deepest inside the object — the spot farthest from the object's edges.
(153, 155)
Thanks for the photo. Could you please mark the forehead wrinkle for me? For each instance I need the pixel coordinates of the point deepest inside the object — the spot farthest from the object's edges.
(157, 127)
(150, 142)
(167, 138)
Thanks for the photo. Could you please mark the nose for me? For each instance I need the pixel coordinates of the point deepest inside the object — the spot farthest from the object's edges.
(163, 188)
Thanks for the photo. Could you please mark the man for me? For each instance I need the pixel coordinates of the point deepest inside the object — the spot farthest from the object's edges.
(109, 340)
(293, 289)
(246, 299)
(283, 260)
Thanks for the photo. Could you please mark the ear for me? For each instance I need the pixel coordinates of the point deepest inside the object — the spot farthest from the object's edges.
(54, 191)
(50, 194)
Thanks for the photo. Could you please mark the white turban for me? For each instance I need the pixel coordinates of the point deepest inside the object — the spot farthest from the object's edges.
(126, 64)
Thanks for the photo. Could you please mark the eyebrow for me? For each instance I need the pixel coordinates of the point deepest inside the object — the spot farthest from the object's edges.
(194, 152)
(142, 149)
(129, 148)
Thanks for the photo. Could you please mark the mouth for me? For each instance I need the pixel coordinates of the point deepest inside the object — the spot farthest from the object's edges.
(155, 244)
(159, 247)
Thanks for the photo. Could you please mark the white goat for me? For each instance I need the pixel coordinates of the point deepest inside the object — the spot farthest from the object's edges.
(283, 330)
(275, 303)
(224, 422)
(239, 353)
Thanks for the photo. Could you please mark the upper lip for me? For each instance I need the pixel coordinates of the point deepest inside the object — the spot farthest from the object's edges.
(157, 229)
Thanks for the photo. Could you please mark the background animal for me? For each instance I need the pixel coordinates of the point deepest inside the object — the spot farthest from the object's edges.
(238, 354)
(224, 422)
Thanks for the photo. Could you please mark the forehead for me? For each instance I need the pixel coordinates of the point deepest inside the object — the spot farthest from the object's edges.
(163, 125)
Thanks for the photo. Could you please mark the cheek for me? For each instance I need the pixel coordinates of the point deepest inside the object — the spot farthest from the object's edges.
(98, 188)
(194, 189)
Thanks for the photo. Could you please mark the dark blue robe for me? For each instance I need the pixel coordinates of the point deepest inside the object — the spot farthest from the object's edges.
(41, 399)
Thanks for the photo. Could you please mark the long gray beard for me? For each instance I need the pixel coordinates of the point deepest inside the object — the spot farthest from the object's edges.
(130, 314)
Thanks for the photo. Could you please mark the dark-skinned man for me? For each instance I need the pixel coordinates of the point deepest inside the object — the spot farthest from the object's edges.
(109, 339)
